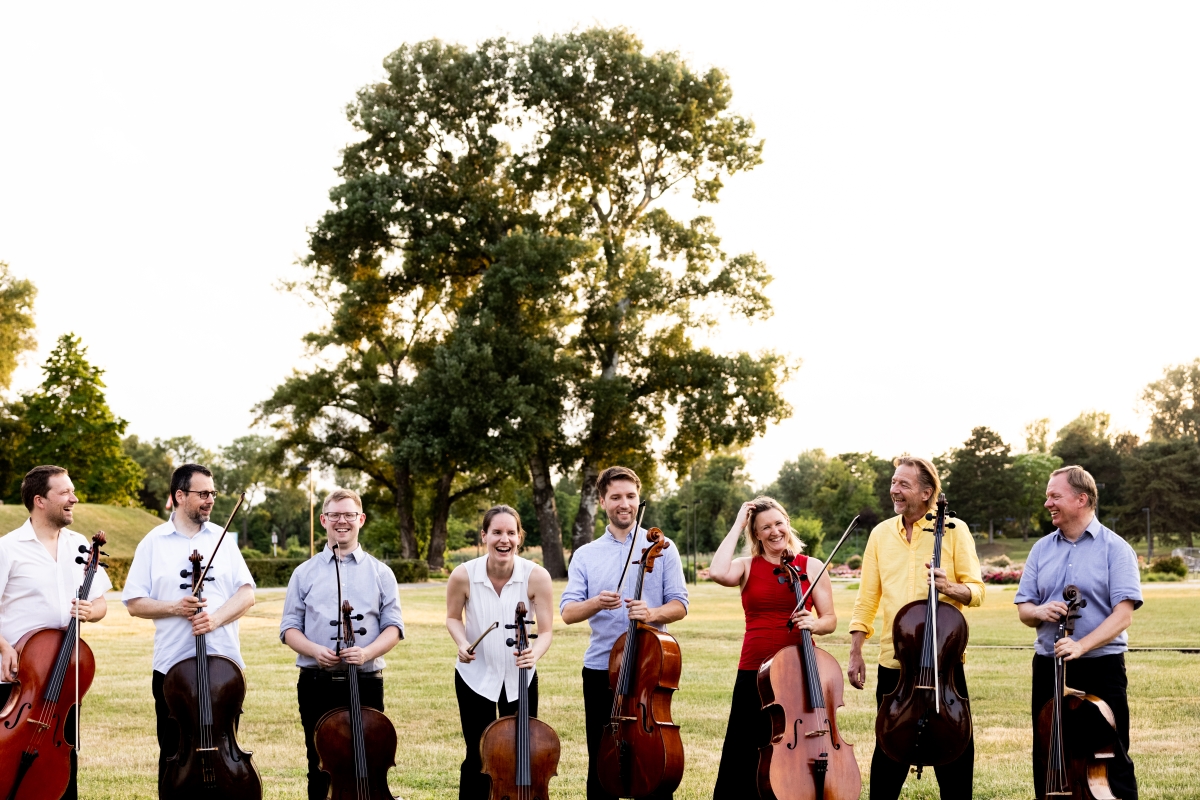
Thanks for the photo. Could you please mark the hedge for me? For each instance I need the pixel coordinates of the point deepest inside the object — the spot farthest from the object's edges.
(277, 571)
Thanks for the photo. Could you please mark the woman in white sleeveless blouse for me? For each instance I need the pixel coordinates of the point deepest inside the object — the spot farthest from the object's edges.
(488, 589)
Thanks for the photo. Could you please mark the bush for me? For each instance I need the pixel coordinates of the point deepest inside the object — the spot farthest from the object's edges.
(854, 561)
(999, 561)
(250, 552)
(1160, 577)
(278, 571)
(1169, 565)
(998, 575)
(118, 570)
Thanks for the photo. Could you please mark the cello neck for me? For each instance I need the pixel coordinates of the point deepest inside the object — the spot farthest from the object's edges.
(812, 677)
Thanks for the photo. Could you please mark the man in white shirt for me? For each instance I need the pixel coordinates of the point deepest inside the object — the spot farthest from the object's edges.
(39, 578)
(153, 591)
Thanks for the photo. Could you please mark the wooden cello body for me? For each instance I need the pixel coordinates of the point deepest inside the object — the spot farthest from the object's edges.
(801, 690)
(641, 751)
(357, 745)
(926, 721)
(37, 722)
(520, 753)
(204, 695)
(1076, 734)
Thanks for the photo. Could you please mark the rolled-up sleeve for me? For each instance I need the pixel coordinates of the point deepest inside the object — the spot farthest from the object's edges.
(1027, 589)
(1124, 579)
(870, 590)
(389, 601)
(293, 605)
(577, 585)
(138, 582)
(966, 565)
(674, 585)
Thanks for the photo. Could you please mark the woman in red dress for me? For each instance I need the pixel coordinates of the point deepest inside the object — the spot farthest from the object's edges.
(768, 605)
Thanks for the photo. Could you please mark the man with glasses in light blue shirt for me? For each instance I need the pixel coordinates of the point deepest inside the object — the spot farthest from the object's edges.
(1083, 553)
(592, 594)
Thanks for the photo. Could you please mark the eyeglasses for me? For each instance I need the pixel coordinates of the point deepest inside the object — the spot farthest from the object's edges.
(349, 515)
(203, 494)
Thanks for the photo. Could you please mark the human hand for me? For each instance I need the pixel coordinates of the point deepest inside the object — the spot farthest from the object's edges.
(354, 655)
(326, 658)
(1053, 611)
(81, 609)
(856, 670)
(803, 620)
(203, 623)
(1068, 649)
(743, 516)
(188, 605)
(638, 610)
(525, 659)
(8, 662)
(608, 600)
(463, 655)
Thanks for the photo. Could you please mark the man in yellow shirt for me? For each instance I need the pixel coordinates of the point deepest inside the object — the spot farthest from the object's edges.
(895, 572)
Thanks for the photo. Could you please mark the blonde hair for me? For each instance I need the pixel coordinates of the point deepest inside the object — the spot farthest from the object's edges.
(338, 495)
(759, 505)
(1082, 482)
(926, 473)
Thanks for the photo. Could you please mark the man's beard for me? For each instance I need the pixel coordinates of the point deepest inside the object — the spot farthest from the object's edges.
(197, 516)
(59, 518)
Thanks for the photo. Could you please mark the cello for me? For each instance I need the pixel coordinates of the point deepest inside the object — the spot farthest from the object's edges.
(1075, 765)
(519, 753)
(55, 670)
(926, 721)
(801, 690)
(204, 696)
(358, 770)
(641, 751)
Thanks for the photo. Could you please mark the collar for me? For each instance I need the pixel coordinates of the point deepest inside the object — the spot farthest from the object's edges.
(168, 527)
(25, 532)
(636, 532)
(919, 525)
(1093, 529)
(357, 553)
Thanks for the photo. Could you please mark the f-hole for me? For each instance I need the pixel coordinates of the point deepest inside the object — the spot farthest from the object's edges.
(12, 723)
(795, 733)
(646, 726)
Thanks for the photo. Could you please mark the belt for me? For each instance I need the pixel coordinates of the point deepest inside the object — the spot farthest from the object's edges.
(330, 675)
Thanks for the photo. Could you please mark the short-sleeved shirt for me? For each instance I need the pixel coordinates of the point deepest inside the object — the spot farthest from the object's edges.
(894, 574)
(312, 602)
(36, 590)
(1100, 563)
(154, 573)
(597, 566)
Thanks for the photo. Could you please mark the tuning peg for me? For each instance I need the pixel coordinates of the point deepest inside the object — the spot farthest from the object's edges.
(929, 517)
(102, 564)
(103, 553)
(361, 631)
(951, 514)
(509, 627)
(358, 616)
(777, 571)
(333, 622)
(183, 573)
(511, 642)
(80, 560)
(949, 524)
(209, 578)
(532, 635)
(83, 548)
(333, 638)
(184, 586)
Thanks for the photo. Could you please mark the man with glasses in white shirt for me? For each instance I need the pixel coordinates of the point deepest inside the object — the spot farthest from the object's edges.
(39, 578)
(153, 591)
(312, 604)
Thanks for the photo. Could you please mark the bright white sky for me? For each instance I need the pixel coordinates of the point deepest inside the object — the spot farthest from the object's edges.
(976, 214)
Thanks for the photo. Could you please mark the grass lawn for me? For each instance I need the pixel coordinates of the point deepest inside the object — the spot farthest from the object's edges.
(119, 752)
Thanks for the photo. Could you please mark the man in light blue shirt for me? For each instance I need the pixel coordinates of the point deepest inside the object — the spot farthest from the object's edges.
(312, 605)
(593, 594)
(1102, 565)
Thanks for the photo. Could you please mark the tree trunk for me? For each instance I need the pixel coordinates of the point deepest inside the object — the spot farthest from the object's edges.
(404, 513)
(441, 516)
(584, 529)
(991, 531)
(547, 516)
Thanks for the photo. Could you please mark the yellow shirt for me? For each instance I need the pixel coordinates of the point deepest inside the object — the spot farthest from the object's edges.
(894, 573)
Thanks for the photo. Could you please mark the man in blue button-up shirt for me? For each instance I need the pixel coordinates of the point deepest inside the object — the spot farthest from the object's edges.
(312, 604)
(593, 594)
(1103, 566)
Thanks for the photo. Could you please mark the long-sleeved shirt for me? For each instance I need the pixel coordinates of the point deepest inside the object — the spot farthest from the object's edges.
(894, 574)
(312, 601)
(1100, 563)
(597, 566)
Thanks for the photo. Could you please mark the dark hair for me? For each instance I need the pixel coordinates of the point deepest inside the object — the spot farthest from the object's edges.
(37, 483)
(496, 511)
(613, 474)
(181, 478)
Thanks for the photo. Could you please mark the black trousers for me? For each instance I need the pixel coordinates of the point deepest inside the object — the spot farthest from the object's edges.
(597, 712)
(475, 713)
(887, 776)
(320, 692)
(749, 729)
(167, 729)
(1103, 676)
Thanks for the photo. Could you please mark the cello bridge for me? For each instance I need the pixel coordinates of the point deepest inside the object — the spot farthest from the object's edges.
(930, 688)
(811, 734)
(38, 722)
(206, 749)
(615, 720)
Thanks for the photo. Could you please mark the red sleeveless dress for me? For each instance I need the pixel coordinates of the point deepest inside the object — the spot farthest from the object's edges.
(768, 605)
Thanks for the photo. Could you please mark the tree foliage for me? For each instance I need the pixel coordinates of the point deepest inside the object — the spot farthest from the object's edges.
(16, 321)
(1172, 402)
(979, 482)
(68, 422)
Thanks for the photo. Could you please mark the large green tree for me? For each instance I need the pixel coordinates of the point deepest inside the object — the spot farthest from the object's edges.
(1030, 474)
(1163, 476)
(1089, 442)
(16, 321)
(979, 482)
(1172, 402)
(545, 162)
(833, 490)
(68, 423)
